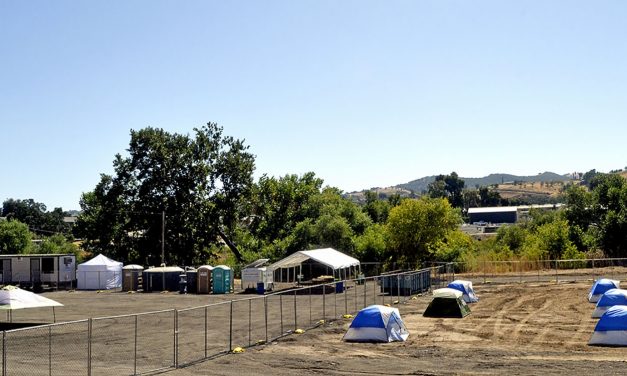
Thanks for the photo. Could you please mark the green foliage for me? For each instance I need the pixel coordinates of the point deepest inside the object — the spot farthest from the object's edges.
(449, 187)
(454, 246)
(34, 214)
(202, 183)
(372, 244)
(513, 237)
(14, 237)
(377, 209)
(550, 240)
(57, 244)
(416, 226)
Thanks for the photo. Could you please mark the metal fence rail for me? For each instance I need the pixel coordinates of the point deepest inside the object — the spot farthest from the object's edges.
(155, 341)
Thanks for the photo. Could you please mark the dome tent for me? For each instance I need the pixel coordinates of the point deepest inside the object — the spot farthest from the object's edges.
(99, 273)
(600, 287)
(611, 330)
(466, 288)
(610, 298)
(447, 302)
(377, 323)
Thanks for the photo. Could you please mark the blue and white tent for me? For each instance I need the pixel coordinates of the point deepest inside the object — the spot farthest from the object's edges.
(600, 287)
(611, 329)
(610, 298)
(466, 288)
(377, 323)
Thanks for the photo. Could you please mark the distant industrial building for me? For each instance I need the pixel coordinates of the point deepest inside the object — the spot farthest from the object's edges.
(505, 214)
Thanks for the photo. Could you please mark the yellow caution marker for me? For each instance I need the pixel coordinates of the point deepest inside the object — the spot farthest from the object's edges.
(414, 298)
(387, 304)
(238, 350)
(261, 342)
(347, 316)
(299, 331)
(395, 302)
(320, 322)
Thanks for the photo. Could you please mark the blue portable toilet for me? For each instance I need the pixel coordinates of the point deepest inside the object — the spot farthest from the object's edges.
(221, 279)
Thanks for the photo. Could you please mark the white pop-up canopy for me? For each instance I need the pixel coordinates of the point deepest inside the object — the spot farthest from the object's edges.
(12, 298)
(99, 273)
(337, 262)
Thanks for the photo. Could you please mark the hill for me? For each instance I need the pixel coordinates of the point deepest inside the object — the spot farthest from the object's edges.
(421, 185)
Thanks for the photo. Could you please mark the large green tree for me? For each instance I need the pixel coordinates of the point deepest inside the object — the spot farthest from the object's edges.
(35, 215)
(14, 237)
(416, 227)
(200, 184)
(449, 187)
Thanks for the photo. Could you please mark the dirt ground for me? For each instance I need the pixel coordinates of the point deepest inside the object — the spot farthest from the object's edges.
(518, 329)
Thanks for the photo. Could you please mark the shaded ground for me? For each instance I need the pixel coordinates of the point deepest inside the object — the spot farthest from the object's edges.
(520, 329)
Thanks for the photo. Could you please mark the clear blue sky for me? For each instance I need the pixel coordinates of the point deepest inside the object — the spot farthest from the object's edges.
(362, 93)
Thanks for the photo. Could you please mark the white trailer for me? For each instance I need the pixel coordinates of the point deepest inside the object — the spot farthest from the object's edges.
(255, 273)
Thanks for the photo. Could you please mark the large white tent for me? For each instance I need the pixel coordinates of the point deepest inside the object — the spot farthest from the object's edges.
(336, 264)
(99, 273)
(12, 298)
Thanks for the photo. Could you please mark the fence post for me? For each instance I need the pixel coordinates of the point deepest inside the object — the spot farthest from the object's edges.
(265, 315)
(335, 300)
(281, 310)
(556, 277)
(345, 298)
(309, 305)
(231, 327)
(398, 288)
(50, 350)
(484, 271)
(249, 320)
(135, 349)
(295, 314)
(324, 302)
(4, 353)
(175, 327)
(205, 332)
(89, 327)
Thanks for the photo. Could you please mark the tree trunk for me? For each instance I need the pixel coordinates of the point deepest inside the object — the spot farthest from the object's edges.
(231, 245)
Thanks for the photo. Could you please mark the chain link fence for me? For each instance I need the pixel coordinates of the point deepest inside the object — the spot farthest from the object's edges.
(156, 341)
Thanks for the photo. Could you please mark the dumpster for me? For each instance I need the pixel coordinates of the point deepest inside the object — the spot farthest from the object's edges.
(261, 288)
(204, 278)
(221, 279)
(165, 278)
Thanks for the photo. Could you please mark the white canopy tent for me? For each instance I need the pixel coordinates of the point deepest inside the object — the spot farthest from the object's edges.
(99, 273)
(12, 298)
(336, 263)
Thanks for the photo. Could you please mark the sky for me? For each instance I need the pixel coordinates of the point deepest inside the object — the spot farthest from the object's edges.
(363, 93)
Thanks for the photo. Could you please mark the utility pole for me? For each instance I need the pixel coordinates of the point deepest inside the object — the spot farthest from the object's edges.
(163, 237)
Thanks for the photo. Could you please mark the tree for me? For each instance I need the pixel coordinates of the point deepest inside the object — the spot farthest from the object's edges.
(14, 237)
(610, 211)
(34, 214)
(449, 187)
(416, 226)
(200, 183)
(371, 246)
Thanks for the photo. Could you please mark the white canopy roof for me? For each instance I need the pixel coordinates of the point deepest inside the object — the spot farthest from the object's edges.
(100, 262)
(326, 256)
(12, 297)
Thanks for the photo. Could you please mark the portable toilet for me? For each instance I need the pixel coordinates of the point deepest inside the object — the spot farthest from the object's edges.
(164, 278)
(221, 279)
(204, 276)
(192, 283)
(132, 277)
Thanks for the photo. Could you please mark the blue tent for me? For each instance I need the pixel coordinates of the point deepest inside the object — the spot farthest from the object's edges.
(466, 288)
(377, 323)
(600, 287)
(610, 298)
(611, 328)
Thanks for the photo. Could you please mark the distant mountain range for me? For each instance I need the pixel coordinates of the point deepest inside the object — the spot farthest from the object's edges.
(420, 185)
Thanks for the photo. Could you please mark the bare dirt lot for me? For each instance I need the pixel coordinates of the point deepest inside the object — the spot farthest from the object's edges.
(516, 329)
